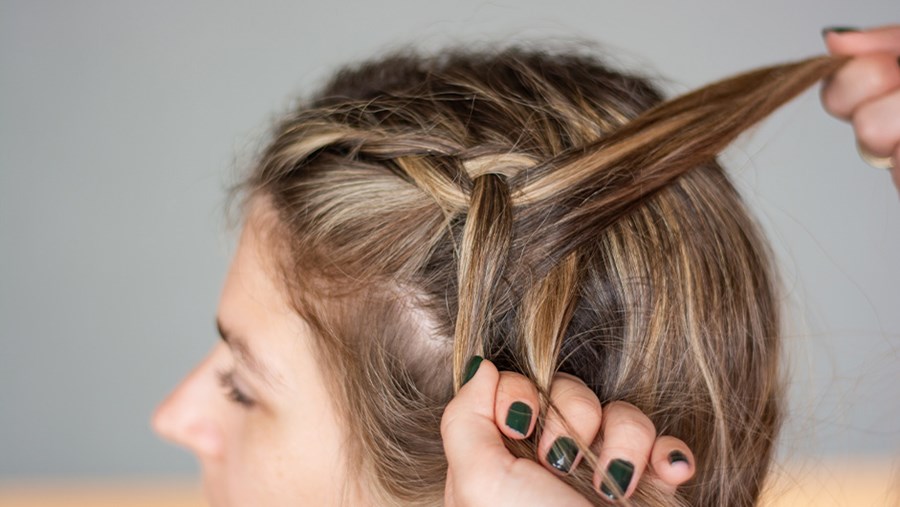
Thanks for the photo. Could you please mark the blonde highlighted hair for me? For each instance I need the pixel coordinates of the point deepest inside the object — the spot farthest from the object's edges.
(547, 212)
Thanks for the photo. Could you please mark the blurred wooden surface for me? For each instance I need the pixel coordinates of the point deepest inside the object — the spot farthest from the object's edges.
(98, 494)
(837, 482)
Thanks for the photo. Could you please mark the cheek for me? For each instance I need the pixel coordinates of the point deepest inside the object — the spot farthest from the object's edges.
(297, 459)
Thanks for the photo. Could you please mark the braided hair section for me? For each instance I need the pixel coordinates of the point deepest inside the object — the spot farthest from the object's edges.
(546, 212)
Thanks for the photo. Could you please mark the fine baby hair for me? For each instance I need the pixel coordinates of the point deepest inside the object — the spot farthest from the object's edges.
(545, 211)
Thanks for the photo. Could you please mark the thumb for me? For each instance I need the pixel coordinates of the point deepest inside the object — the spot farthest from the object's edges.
(471, 437)
(885, 39)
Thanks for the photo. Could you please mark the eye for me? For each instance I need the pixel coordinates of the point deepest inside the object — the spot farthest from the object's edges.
(226, 380)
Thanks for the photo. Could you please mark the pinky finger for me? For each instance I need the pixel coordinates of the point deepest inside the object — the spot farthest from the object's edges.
(672, 462)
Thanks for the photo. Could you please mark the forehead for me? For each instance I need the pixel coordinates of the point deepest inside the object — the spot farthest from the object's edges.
(252, 304)
(249, 275)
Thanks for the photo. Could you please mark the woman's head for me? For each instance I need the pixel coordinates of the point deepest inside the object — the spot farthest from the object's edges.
(533, 208)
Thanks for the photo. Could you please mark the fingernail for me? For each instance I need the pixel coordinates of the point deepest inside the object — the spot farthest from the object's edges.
(519, 417)
(838, 29)
(472, 367)
(619, 471)
(562, 454)
(677, 456)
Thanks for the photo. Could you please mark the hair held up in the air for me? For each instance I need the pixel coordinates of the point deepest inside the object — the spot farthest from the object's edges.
(548, 213)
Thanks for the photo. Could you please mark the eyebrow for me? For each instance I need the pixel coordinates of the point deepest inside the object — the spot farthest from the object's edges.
(245, 355)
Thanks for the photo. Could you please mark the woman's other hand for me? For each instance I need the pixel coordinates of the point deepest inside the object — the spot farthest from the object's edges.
(866, 91)
(482, 472)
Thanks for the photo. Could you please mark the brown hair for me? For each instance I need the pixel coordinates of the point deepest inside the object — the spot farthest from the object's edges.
(551, 214)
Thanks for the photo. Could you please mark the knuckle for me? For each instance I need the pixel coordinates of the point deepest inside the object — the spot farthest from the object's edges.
(511, 376)
(860, 80)
(879, 72)
(868, 74)
(576, 400)
(627, 418)
(561, 374)
(833, 103)
(582, 407)
(568, 386)
(636, 428)
(515, 384)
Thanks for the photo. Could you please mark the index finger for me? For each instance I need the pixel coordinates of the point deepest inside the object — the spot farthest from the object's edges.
(885, 39)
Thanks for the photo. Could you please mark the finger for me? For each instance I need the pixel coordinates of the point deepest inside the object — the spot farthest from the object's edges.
(877, 124)
(859, 80)
(470, 435)
(884, 39)
(628, 436)
(671, 462)
(579, 405)
(516, 405)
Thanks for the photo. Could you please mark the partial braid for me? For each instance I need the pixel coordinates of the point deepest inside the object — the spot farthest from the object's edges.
(482, 261)
(547, 213)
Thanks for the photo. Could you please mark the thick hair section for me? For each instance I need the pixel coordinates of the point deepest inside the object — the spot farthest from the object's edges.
(482, 258)
(605, 178)
(551, 214)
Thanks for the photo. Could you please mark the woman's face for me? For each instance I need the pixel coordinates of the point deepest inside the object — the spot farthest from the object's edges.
(255, 411)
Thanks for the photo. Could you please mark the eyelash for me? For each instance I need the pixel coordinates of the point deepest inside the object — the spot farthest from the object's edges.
(226, 380)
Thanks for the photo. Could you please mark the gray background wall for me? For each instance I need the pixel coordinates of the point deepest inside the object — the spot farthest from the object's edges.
(121, 123)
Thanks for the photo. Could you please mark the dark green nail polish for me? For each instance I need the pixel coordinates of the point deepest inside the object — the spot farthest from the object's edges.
(472, 367)
(838, 29)
(562, 454)
(519, 417)
(620, 471)
(677, 456)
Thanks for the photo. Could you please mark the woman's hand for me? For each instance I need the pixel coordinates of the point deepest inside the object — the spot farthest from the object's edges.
(482, 472)
(866, 91)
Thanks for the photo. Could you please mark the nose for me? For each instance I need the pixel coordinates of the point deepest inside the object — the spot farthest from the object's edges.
(187, 416)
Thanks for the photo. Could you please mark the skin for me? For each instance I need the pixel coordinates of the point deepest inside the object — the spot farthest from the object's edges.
(866, 91)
